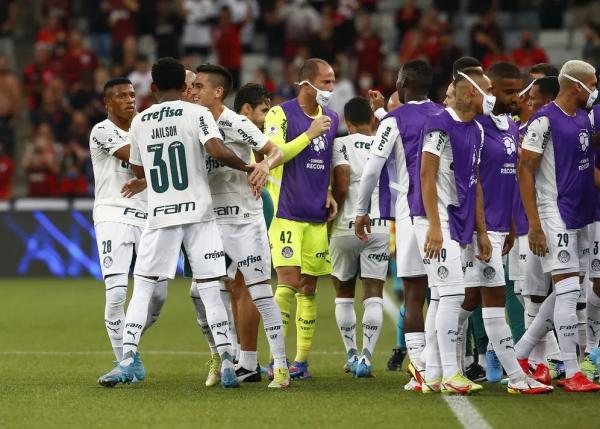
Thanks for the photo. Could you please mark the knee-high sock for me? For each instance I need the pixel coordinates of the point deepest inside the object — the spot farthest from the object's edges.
(593, 319)
(538, 353)
(541, 324)
(400, 336)
(501, 339)
(463, 323)
(446, 324)
(345, 317)
(235, 346)
(262, 295)
(514, 310)
(415, 344)
(156, 303)
(137, 313)
(565, 320)
(433, 364)
(114, 311)
(283, 297)
(371, 326)
(581, 332)
(201, 317)
(306, 319)
(216, 316)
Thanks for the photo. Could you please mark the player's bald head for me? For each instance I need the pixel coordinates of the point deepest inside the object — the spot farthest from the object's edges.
(311, 69)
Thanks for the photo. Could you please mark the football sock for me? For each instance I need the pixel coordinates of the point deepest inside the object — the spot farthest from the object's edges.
(463, 323)
(371, 326)
(500, 337)
(114, 311)
(593, 319)
(541, 324)
(262, 295)
(216, 316)
(248, 359)
(538, 354)
(306, 317)
(565, 320)
(581, 332)
(433, 364)
(283, 297)
(201, 317)
(415, 344)
(156, 303)
(226, 298)
(345, 316)
(400, 338)
(446, 324)
(519, 295)
(137, 313)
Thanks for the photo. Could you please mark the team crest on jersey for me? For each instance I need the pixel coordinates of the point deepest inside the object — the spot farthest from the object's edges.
(489, 273)
(509, 145)
(272, 131)
(442, 272)
(107, 262)
(287, 252)
(319, 143)
(584, 139)
(596, 265)
(564, 256)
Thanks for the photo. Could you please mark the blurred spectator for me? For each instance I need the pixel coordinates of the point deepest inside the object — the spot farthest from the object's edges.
(75, 162)
(486, 36)
(274, 27)
(168, 28)
(528, 53)
(343, 89)
(240, 10)
(425, 40)
(345, 30)
(121, 20)
(41, 165)
(10, 105)
(78, 62)
(52, 31)
(287, 88)
(228, 43)
(322, 45)
(449, 52)
(52, 111)
(8, 21)
(407, 18)
(141, 78)
(197, 32)
(591, 49)
(37, 75)
(99, 31)
(301, 23)
(551, 13)
(262, 76)
(368, 48)
(6, 171)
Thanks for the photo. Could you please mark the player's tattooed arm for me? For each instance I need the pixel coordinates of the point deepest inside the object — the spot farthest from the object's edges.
(484, 246)
(430, 165)
(528, 166)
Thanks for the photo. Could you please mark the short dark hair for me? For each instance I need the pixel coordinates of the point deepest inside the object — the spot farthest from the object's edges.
(357, 111)
(548, 85)
(545, 69)
(223, 76)
(504, 70)
(464, 63)
(111, 83)
(419, 74)
(310, 69)
(472, 72)
(251, 93)
(167, 74)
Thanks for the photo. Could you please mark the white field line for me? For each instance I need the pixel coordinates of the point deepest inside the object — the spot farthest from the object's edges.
(462, 408)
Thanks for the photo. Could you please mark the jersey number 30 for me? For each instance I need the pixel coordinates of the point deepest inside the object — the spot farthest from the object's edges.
(159, 175)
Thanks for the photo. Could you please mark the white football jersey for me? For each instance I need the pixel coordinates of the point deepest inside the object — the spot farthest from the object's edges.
(356, 149)
(110, 174)
(232, 197)
(168, 139)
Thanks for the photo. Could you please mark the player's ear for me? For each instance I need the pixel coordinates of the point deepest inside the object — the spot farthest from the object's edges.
(153, 87)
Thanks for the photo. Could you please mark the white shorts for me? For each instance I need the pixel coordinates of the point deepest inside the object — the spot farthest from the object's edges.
(201, 242)
(480, 273)
(348, 253)
(117, 244)
(247, 245)
(536, 282)
(446, 271)
(517, 259)
(568, 249)
(409, 262)
(594, 236)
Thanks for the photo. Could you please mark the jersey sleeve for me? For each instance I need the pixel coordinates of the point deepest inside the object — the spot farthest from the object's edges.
(207, 126)
(276, 131)
(250, 134)
(134, 150)
(385, 139)
(107, 140)
(537, 136)
(434, 142)
(340, 154)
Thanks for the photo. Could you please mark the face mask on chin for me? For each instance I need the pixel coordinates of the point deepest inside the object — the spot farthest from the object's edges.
(592, 94)
(488, 100)
(323, 97)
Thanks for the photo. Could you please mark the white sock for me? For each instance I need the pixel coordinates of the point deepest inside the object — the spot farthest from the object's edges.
(469, 360)
(537, 355)
(201, 317)
(497, 330)
(482, 360)
(262, 295)
(552, 349)
(463, 323)
(519, 292)
(345, 316)
(581, 332)
(137, 313)
(216, 315)
(235, 347)
(433, 364)
(542, 323)
(156, 303)
(415, 344)
(565, 320)
(371, 326)
(593, 319)
(248, 359)
(114, 311)
(446, 324)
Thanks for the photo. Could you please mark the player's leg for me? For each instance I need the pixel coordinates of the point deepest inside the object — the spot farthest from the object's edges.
(593, 297)
(433, 365)
(227, 302)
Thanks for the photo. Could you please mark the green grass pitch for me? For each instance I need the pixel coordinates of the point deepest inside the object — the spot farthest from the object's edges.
(53, 346)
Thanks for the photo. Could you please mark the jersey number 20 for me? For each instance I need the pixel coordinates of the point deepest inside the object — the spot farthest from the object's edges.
(159, 176)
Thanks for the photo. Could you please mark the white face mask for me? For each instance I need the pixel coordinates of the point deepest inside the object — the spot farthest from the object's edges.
(593, 94)
(488, 100)
(323, 97)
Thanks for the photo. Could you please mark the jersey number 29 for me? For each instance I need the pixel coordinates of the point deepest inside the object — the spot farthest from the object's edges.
(159, 176)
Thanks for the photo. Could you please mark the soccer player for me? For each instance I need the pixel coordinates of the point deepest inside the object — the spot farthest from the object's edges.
(349, 255)
(484, 280)
(240, 218)
(118, 221)
(451, 210)
(542, 69)
(168, 142)
(304, 129)
(398, 140)
(556, 182)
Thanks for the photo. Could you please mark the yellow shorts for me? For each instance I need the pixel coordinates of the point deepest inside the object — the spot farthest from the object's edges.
(300, 244)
